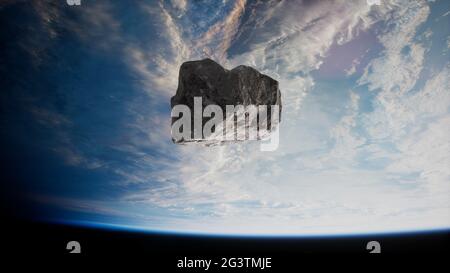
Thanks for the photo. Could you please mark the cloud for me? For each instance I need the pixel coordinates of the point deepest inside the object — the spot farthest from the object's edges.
(181, 5)
(346, 142)
(423, 147)
(216, 41)
(426, 154)
(397, 72)
(411, 120)
(295, 37)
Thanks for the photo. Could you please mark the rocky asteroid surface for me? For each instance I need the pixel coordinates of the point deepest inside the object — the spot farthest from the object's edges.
(243, 85)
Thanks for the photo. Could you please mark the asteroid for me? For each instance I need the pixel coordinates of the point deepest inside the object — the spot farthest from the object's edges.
(205, 82)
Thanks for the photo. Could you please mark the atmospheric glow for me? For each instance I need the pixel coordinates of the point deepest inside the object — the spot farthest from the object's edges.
(364, 138)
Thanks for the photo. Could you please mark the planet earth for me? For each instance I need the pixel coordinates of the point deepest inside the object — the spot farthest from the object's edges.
(364, 141)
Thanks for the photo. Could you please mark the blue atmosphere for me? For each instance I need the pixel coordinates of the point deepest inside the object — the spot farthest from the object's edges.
(364, 141)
